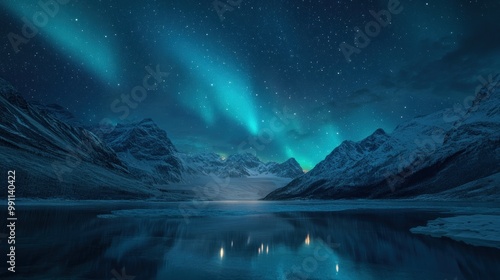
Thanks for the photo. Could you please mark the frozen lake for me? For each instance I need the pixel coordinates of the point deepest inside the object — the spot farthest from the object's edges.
(243, 240)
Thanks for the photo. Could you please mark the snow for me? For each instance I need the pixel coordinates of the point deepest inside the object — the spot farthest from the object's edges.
(238, 166)
(143, 155)
(484, 189)
(421, 156)
(149, 153)
(133, 160)
(478, 230)
(26, 128)
(230, 188)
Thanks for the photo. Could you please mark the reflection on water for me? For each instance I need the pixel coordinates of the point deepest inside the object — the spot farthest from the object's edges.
(79, 242)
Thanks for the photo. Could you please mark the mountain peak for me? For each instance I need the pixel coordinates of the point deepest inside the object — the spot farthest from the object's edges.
(142, 138)
(289, 168)
(292, 161)
(379, 131)
(413, 159)
(242, 156)
(147, 121)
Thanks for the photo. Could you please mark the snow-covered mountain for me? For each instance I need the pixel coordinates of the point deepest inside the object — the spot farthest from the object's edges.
(147, 151)
(150, 154)
(57, 112)
(426, 155)
(55, 159)
(288, 169)
(238, 166)
(201, 163)
(25, 127)
(61, 157)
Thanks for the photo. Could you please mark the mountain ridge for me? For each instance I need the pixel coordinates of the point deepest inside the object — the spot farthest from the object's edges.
(421, 156)
(139, 154)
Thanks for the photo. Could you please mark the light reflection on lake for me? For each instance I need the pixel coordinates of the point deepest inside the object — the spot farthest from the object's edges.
(261, 240)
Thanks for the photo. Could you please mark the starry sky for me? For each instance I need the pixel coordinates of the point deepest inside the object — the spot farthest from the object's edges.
(268, 77)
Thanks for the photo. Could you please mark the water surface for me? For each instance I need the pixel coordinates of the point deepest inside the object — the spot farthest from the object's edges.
(240, 240)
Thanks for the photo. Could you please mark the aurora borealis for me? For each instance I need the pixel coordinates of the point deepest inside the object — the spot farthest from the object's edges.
(268, 74)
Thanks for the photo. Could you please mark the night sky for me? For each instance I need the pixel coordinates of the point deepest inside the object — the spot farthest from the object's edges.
(265, 74)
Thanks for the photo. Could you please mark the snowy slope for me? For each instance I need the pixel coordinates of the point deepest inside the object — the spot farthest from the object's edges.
(147, 151)
(288, 169)
(484, 189)
(57, 112)
(26, 128)
(152, 157)
(202, 163)
(238, 166)
(130, 160)
(426, 155)
(54, 159)
(230, 188)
